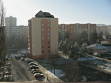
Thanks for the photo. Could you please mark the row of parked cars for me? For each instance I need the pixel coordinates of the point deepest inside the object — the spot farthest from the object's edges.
(34, 68)
(5, 74)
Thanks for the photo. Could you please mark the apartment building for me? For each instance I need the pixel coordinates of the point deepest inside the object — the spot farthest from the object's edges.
(75, 30)
(10, 21)
(16, 31)
(102, 29)
(43, 35)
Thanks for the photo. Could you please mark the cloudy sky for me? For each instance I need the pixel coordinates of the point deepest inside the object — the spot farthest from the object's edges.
(67, 11)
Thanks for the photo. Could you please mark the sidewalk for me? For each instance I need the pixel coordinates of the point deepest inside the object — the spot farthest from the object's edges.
(101, 58)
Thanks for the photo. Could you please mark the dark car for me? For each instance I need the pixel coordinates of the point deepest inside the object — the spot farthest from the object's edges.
(38, 75)
(109, 58)
(36, 67)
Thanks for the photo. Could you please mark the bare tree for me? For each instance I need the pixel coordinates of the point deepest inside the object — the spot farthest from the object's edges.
(2, 34)
(72, 72)
(94, 37)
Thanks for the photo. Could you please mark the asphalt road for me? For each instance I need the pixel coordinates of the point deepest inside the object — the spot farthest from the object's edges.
(21, 72)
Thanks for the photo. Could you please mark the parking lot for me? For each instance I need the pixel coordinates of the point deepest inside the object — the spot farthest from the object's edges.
(21, 71)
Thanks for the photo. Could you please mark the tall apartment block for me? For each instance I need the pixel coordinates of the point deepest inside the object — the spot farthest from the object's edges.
(76, 29)
(10, 21)
(43, 35)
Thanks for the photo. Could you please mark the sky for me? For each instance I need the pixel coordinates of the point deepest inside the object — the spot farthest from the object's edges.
(67, 11)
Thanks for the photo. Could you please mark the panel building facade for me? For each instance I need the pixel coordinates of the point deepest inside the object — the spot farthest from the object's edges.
(75, 30)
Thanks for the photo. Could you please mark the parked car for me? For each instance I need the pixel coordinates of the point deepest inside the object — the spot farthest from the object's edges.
(1, 77)
(36, 67)
(33, 66)
(8, 78)
(7, 73)
(28, 60)
(96, 54)
(109, 58)
(37, 71)
(31, 63)
(22, 59)
(34, 70)
(38, 75)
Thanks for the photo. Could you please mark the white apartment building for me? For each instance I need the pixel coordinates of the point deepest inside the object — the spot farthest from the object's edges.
(102, 29)
(16, 31)
(10, 21)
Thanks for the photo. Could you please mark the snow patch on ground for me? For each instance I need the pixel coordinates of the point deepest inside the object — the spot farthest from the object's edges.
(50, 74)
(86, 58)
(59, 73)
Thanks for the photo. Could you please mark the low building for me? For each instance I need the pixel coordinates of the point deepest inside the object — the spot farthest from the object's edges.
(97, 48)
(106, 42)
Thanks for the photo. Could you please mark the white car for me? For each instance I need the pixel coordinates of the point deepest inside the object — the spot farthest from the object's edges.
(28, 60)
(96, 54)
(22, 59)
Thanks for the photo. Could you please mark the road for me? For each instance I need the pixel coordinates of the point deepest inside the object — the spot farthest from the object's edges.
(21, 71)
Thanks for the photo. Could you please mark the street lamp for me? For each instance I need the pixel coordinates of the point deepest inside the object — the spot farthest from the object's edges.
(47, 73)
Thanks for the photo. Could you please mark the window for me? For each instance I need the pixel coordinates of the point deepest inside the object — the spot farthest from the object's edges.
(94, 27)
(42, 33)
(48, 38)
(42, 24)
(48, 33)
(42, 51)
(91, 27)
(79, 27)
(86, 27)
(71, 24)
(42, 29)
(48, 42)
(42, 42)
(82, 25)
(42, 47)
(48, 29)
(48, 24)
(42, 20)
(48, 20)
(48, 46)
(74, 27)
(71, 27)
(42, 38)
(68, 27)
(48, 51)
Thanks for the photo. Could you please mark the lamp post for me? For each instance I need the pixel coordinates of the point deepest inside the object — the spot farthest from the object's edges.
(47, 73)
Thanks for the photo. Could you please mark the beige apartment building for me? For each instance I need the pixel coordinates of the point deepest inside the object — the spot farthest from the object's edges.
(43, 35)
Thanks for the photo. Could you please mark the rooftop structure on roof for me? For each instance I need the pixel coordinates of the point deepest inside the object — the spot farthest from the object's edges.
(41, 14)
